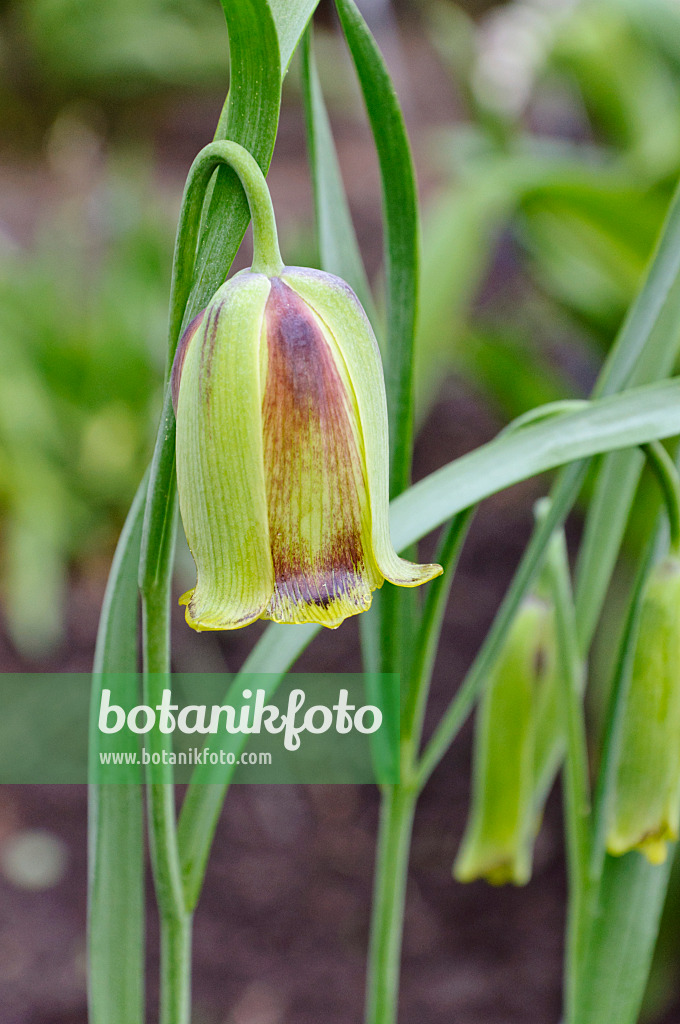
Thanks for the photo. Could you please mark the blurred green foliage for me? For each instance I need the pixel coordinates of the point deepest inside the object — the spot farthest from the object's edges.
(82, 323)
(53, 49)
(559, 179)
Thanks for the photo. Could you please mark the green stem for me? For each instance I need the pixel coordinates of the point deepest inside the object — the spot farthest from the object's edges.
(266, 254)
(430, 630)
(576, 776)
(175, 990)
(384, 957)
(666, 474)
(398, 802)
(563, 498)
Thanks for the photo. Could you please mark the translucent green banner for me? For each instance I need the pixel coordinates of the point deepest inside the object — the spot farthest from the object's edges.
(210, 728)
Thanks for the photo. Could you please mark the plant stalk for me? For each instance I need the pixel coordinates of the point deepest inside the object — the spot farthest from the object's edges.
(389, 894)
(576, 783)
(175, 921)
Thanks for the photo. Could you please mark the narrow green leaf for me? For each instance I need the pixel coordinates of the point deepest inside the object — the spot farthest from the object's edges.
(291, 18)
(645, 351)
(639, 907)
(401, 233)
(563, 496)
(115, 928)
(396, 612)
(429, 632)
(630, 894)
(251, 120)
(338, 247)
(614, 422)
(618, 955)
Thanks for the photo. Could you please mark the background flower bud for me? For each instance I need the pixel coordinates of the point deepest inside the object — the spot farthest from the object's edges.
(498, 840)
(646, 801)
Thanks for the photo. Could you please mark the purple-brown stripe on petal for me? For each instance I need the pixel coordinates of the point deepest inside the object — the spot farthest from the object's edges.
(313, 468)
(180, 356)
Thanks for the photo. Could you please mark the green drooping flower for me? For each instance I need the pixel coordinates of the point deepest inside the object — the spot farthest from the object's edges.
(646, 804)
(282, 454)
(514, 735)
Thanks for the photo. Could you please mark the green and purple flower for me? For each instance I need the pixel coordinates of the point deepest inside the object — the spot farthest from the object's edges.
(282, 454)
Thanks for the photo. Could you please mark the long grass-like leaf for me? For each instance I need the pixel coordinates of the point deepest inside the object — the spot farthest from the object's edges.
(396, 612)
(291, 17)
(338, 246)
(401, 233)
(645, 351)
(608, 424)
(251, 120)
(618, 955)
(115, 830)
(628, 896)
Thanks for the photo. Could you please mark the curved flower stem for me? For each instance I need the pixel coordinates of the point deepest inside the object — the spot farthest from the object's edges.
(666, 475)
(266, 260)
(156, 561)
(266, 254)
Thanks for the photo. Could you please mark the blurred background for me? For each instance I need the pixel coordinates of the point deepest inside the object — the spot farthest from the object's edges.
(546, 135)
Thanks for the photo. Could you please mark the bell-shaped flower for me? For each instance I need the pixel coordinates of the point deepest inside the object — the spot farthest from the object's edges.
(514, 752)
(645, 811)
(282, 454)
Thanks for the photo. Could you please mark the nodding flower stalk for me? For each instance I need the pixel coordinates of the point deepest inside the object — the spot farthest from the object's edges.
(282, 446)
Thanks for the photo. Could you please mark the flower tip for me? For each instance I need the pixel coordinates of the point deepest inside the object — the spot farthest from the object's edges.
(653, 846)
(185, 601)
(411, 574)
(655, 852)
(496, 870)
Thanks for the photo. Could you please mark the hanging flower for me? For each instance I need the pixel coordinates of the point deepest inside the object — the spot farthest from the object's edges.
(645, 808)
(515, 734)
(282, 454)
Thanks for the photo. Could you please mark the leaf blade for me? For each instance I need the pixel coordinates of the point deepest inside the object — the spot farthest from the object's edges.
(115, 925)
(401, 233)
(338, 246)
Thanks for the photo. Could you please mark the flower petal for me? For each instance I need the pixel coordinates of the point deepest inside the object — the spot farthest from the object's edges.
(181, 354)
(337, 306)
(220, 468)
(316, 488)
